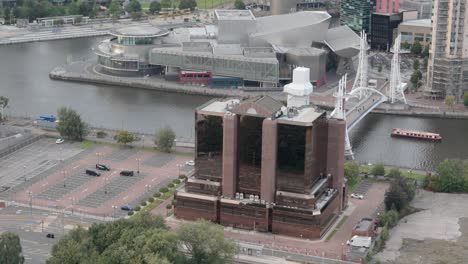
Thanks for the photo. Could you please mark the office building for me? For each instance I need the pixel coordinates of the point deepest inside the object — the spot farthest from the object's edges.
(448, 59)
(423, 7)
(266, 166)
(416, 30)
(384, 29)
(356, 14)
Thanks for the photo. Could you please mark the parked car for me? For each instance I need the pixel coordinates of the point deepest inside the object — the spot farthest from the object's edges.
(102, 167)
(92, 172)
(190, 163)
(357, 196)
(126, 173)
(59, 141)
(125, 207)
(50, 235)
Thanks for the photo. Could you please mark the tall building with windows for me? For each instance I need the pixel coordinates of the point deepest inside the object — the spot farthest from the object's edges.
(448, 59)
(266, 166)
(357, 14)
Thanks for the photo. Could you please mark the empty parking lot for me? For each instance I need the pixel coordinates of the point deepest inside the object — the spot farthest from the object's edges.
(55, 176)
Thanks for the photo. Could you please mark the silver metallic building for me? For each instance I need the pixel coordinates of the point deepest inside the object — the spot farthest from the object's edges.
(263, 50)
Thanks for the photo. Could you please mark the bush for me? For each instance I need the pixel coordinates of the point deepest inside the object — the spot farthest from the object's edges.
(151, 199)
(101, 134)
(137, 208)
(451, 177)
(164, 190)
(351, 172)
(182, 176)
(176, 181)
(143, 203)
(130, 213)
(170, 185)
(384, 233)
(395, 172)
(399, 195)
(465, 98)
(169, 206)
(157, 195)
(389, 219)
(378, 170)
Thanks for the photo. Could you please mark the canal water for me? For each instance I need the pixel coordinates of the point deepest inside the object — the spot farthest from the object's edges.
(24, 79)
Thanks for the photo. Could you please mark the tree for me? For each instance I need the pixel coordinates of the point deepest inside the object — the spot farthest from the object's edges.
(378, 169)
(124, 137)
(465, 98)
(70, 124)
(451, 176)
(115, 9)
(165, 139)
(3, 104)
(416, 49)
(449, 101)
(155, 7)
(416, 64)
(351, 172)
(394, 172)
(136, 16)
(425, 61)
(389, 218)
(415, 79)
(166, 3)
(425, 52)
(10, 249)
(133, 6)
(399, 195)
(184, 4)
(205, 243)
(239, 4)
(396, 198)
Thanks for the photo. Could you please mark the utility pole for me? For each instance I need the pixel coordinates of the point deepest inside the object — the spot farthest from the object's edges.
(138, 165)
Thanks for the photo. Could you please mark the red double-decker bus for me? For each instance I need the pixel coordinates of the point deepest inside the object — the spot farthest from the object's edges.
(197, 77)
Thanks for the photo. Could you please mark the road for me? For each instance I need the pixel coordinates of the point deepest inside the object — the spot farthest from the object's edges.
(32, 227)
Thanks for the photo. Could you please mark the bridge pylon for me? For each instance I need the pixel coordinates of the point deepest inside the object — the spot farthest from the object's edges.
(396, 92)
(340, 112)
(361, 73)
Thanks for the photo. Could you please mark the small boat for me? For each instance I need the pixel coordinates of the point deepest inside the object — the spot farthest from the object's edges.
(398, 132)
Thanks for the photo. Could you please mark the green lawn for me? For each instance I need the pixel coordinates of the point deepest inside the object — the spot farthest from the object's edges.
(331, 235)
(342, 221)
(86, 144)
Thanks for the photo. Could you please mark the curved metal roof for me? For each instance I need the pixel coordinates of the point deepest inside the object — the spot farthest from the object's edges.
(139, 31)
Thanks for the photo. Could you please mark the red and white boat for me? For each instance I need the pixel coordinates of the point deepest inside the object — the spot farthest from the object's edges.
(398, 132)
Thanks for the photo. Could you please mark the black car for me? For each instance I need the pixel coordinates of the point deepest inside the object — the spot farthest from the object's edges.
(102, 167)
(49, 235)
(93, 172)
(126, 173)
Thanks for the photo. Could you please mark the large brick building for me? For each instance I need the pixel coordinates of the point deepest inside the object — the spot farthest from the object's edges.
(261, 165)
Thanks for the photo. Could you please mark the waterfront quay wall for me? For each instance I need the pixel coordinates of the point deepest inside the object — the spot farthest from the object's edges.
(157, 84)
(27, 39)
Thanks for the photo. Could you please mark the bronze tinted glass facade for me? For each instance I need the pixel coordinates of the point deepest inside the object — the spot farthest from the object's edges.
(209, 147)
(250, 154)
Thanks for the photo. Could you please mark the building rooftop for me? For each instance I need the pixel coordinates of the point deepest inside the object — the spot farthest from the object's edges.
(417, 23)
(139, 31)
(234, 15)
(363, 225)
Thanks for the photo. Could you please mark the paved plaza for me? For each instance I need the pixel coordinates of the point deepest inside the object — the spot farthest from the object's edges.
(50, 175)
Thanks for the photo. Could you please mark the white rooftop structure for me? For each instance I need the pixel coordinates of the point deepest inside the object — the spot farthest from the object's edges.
(300, 89)
(234, 15)
(360, 241)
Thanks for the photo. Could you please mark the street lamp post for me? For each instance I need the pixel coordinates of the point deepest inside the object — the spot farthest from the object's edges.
(98, 155)
(147, 186)
(138, 165)
(143, 139)
(114, 207)
(24, 172)
(30, 202)
(63, 174)
(178, 167)
(73, 204)
(105, 185)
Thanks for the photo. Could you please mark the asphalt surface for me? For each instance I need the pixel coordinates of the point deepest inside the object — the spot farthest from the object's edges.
(32, 226)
